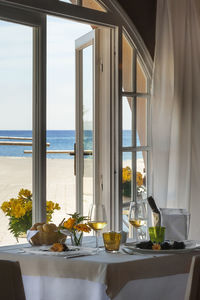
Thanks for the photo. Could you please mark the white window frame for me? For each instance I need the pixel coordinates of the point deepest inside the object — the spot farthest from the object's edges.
(134, 149)
(38, 22)
(115, 18)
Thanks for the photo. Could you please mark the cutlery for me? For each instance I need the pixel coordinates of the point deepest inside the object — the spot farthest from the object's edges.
(130, 252)
(78, 255)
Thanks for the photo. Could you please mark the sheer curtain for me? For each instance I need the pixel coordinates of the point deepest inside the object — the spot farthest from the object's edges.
(176, 108)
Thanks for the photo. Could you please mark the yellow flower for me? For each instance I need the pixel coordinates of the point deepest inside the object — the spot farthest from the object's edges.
(82, 227)
(5, 206)
(56, 206)
(25, 193)
(139, 179)
(127, 176)
(28, 206)
(69, 223)
(50, 206)
(17, 210)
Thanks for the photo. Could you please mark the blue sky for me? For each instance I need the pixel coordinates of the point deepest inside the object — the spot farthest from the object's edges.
(16, 74)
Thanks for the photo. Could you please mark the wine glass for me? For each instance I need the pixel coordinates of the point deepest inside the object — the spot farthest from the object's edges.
(97, 220)
(137, 216)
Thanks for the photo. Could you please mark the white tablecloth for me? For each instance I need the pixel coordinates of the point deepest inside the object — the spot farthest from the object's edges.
(48, 288)
(53, 288)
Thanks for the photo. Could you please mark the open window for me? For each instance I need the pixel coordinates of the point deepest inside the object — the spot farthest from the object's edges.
(90, 131)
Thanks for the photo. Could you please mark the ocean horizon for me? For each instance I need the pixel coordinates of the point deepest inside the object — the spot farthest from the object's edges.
(58, 140)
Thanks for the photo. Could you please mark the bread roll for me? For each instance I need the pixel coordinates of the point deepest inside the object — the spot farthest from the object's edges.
(47, 228)
(40, 227)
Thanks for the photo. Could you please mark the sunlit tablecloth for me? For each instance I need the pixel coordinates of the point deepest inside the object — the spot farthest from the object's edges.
(102, 276)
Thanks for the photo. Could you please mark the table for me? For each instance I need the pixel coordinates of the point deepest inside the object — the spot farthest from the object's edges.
(103, 276)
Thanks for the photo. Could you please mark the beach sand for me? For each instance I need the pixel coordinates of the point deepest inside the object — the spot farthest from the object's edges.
(16, 173)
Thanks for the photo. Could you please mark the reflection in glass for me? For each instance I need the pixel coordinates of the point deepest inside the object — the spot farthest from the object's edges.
(16, 62)
(92, 4)
(87, 128)
(127, 106)
(126, 176)
(127, 65)
(61, 135)
(141, 123)
(141, 176)
(141, 78)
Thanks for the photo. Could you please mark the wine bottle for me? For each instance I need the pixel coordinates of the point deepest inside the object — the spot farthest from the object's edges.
(155, 210)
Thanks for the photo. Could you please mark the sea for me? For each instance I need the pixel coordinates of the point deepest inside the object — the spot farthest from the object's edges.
(58, 140)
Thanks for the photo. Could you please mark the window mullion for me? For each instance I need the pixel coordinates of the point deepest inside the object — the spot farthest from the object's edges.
(134, 131)
(149, 192)
(39, 122)
(117, 201)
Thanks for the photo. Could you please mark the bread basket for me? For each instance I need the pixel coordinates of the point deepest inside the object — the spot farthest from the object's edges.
(47, 238)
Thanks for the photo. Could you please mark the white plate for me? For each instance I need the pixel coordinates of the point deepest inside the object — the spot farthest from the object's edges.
(45, 250)
(189, 246)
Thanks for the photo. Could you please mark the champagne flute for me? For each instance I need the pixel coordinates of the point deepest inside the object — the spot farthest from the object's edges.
(97, 220)
(137, 216)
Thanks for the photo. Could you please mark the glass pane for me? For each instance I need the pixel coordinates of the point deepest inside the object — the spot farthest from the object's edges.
(87, 128)
(126, 177)
(92, 4)
(141, 178)
(127, 107)
(127, 65)
(141, 78)
(61, 181)
(15, 129)
(126, 226)
(141, 123)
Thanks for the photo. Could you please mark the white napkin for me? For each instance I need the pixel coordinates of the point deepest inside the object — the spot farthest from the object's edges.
(176, 222)
(30, 234)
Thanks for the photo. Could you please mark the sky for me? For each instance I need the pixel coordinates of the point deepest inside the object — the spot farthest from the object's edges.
(16, 75)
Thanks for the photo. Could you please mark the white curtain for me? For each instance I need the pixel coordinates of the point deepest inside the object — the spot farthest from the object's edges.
(176, 108)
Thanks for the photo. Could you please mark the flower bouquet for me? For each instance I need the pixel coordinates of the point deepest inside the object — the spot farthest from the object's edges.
(19, 211)
(126, 182)
(75, 228)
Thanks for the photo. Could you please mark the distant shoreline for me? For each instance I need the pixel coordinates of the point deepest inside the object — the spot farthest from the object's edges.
(58, 140)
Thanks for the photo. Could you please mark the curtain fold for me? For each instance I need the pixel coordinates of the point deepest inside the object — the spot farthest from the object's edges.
(176, 106)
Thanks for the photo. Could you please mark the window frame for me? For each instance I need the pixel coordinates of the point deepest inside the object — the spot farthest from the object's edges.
(115, 18)
(38, 23)
(119, 131)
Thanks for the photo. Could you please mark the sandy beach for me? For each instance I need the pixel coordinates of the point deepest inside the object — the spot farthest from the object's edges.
(16, 173)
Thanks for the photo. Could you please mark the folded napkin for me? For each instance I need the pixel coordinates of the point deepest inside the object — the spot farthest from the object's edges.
(176, 222)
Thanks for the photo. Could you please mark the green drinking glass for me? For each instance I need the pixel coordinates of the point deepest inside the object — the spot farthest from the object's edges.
(157, 234)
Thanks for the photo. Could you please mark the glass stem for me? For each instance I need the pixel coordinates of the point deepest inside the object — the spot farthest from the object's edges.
(97, 242)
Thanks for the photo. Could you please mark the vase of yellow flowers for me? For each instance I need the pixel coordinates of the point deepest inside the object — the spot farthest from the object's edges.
(126, 182)
(75, 228)
(19, 211)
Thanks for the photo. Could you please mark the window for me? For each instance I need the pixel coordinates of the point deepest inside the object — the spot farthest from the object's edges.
(111, 117)
(135, 143)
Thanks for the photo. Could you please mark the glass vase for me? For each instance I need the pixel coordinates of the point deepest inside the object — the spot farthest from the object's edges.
(77, 238)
